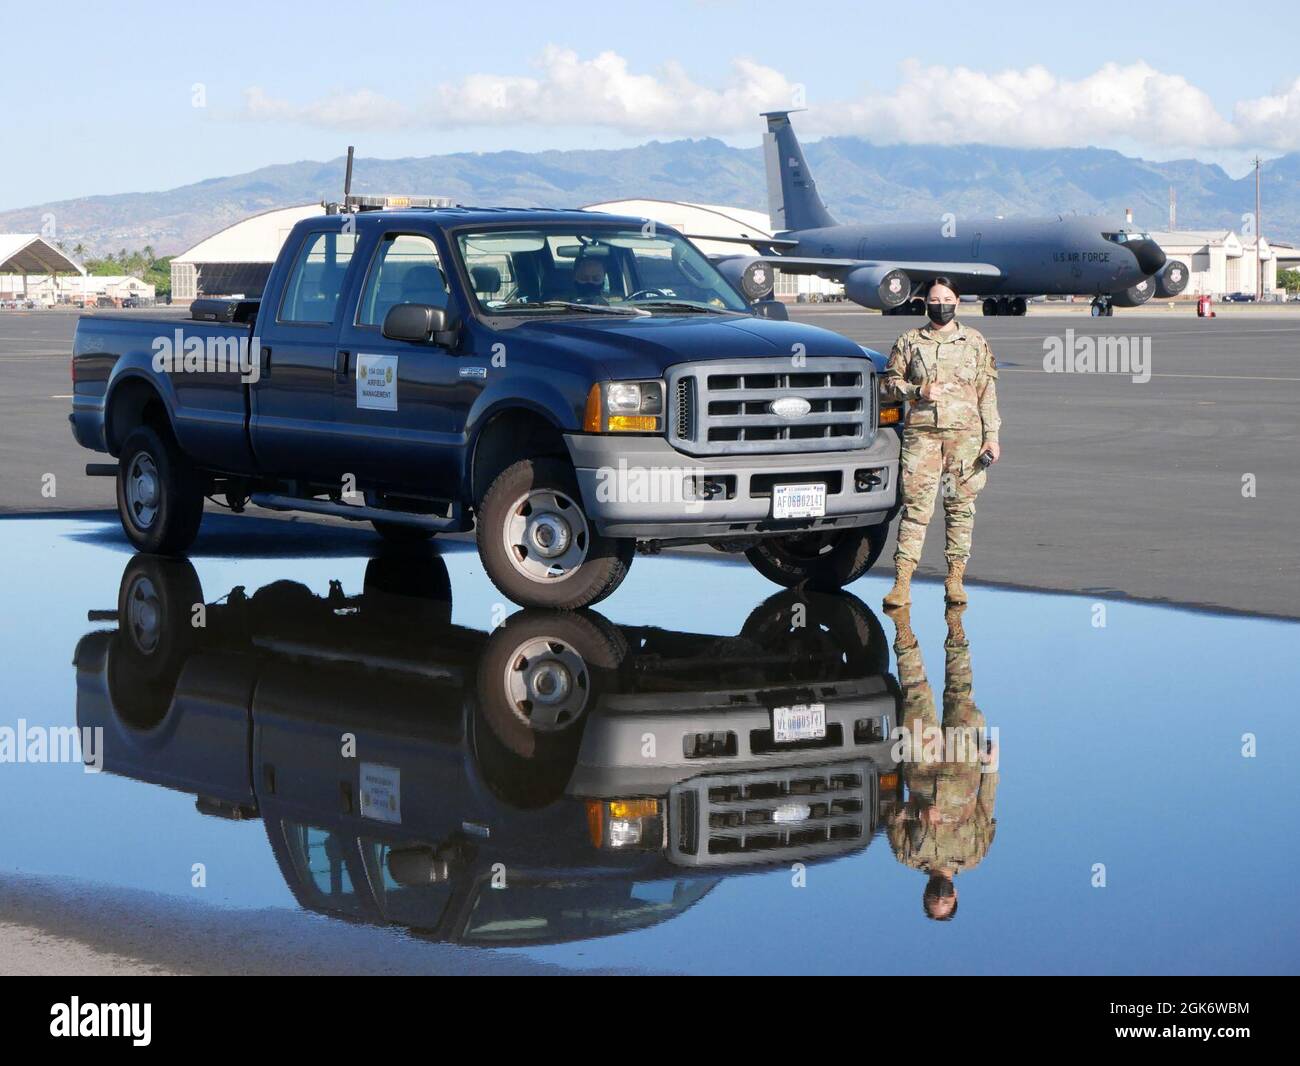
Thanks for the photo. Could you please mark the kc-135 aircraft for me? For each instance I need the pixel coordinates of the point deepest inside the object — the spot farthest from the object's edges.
(887, 266)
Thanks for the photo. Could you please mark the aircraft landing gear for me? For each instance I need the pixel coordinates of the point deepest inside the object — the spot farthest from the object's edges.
(1005, 305)
(1102, 307)
(915, 306)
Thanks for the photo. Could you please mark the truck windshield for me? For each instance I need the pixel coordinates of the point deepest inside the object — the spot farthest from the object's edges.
(570, 271)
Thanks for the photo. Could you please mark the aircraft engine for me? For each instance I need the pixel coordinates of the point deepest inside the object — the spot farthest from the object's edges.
(1172, 279)
(754, 277)
(878, 286)
(1134, 295)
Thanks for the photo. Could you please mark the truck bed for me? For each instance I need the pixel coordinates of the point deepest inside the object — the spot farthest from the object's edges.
(209, 410)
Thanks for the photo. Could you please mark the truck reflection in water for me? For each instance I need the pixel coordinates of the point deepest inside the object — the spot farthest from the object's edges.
(558, 779)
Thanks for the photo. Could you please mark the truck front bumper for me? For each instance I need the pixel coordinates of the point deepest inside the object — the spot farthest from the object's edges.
(615, 760)
(642, 487)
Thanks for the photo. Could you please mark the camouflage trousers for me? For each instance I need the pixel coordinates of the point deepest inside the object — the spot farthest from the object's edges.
(939, 463)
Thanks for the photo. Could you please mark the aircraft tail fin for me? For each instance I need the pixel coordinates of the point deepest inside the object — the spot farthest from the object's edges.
(792, 198)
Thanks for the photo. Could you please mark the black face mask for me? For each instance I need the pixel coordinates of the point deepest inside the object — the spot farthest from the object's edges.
(941, 314)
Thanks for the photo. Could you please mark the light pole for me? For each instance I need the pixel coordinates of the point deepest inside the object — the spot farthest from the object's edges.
(1259, 237)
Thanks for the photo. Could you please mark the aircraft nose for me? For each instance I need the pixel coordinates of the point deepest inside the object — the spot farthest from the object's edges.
(1150, 256)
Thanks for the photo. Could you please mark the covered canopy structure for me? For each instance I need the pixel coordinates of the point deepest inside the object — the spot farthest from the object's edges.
(25, 254)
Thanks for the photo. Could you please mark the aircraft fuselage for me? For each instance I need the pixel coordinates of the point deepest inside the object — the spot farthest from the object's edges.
(1054, 256)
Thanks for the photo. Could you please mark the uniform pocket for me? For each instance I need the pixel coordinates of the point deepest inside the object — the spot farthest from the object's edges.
(966, 370)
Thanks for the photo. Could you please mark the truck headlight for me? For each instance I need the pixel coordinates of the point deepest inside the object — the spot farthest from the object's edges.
(625, 407)
(620, 824)
(890, 410)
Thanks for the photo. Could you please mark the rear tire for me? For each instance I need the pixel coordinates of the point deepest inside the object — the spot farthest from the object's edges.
(537, 545)
(159, 493)
(834, 630)
(821, 561)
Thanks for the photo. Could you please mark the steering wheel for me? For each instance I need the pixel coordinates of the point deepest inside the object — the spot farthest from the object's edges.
(641, 293)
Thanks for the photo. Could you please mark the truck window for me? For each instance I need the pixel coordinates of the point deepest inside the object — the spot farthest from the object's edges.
(405, 270)
(312, 293)
(516, 271)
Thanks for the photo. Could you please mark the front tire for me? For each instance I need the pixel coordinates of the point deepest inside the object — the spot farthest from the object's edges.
(821, 561)
(400, 533)
(537, 545)
(159, 494)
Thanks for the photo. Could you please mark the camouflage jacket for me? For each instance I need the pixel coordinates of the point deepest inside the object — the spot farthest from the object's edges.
(962, 364)
(961, 838)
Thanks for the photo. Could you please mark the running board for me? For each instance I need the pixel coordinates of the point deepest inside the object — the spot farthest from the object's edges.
(275, 502)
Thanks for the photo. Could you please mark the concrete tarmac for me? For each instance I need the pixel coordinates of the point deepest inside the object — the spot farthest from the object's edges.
(1106, 485)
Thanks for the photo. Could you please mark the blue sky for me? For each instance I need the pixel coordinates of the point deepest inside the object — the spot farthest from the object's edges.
(103, 101)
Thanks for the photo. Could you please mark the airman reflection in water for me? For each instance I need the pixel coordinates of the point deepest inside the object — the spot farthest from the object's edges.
(946, 826)
(497, 788)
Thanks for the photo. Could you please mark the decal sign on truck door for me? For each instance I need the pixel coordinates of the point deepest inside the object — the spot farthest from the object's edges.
(377, 382)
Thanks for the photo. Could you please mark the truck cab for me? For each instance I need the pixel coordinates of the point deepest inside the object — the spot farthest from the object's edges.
(572, 385)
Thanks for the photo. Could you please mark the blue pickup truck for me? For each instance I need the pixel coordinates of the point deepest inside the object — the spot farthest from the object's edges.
(572, 385)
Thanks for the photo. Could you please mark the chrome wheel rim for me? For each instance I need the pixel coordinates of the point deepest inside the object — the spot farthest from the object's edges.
(143, 615)
(546, 536)
(143, 491)
(547, 684)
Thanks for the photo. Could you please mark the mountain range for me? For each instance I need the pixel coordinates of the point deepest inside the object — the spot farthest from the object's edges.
(860, 181)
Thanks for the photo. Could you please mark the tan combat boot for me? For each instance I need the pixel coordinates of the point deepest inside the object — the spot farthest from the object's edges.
(953, 590)
(904, 637)
(956, 631)
(901, 594)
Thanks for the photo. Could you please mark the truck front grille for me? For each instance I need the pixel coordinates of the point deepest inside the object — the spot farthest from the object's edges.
(684, 410)
(726, 407)
(772, 815)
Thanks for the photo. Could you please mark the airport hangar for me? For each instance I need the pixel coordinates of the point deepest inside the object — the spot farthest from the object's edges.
(236, 261)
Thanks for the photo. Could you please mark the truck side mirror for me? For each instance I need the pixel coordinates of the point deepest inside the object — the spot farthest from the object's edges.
(419, 323)
(771, 309)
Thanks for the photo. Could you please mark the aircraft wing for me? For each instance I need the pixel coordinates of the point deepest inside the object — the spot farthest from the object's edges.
(762, 245)
(956, 271)
(837, 268)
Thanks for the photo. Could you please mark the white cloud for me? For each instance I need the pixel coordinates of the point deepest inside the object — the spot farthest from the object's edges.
(1133, 104)
(1034, 108)
(571, 91)
(1271, 121)
(341, 110)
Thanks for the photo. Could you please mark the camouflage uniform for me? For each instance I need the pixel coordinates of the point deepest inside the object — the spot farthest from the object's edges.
(959, 788)
(943, 438)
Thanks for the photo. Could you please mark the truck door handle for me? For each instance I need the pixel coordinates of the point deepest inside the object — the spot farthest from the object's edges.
(266, 362)
(341, 365)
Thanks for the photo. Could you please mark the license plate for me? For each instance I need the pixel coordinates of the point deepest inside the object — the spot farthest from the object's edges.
(803, 721)
(799, 501)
